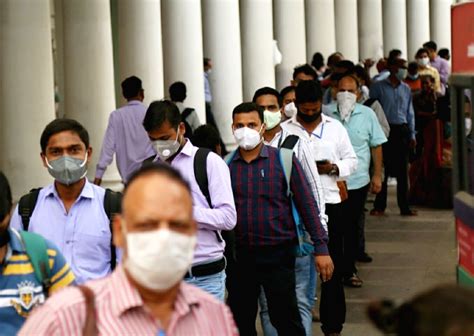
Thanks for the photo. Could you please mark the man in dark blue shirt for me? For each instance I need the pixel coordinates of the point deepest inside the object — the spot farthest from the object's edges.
(265, 230)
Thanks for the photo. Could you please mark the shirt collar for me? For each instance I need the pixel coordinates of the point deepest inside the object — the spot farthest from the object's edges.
(86, 192)
(357, 110)
(134, 102)
(263, 153)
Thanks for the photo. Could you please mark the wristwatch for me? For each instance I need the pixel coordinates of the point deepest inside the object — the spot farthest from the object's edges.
(334, 171)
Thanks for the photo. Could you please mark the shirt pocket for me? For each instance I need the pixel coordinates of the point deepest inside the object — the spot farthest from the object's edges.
(93, 252)
(358, 137)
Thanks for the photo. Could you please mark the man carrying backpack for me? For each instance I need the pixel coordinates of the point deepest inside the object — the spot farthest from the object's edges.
(209, 179)
(266, 235)
(31, 268)
(189, 116)
(71, 212)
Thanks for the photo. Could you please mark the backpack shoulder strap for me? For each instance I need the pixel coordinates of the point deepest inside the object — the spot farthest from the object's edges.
(26, 206)
(112, 206)
(229, 157)
(370, 101)
(37, 252)
(290, 142)
(200, 172)
(149, 160)
(186, 113)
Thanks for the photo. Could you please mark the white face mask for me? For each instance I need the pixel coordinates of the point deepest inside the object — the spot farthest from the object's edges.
(346, 102)
(272, 119)
(247, 138)
(290, 110)
(166, 148)
(468, 125)
(159, 259)
(424, 61)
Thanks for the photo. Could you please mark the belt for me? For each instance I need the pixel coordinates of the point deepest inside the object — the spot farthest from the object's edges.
(206, 269)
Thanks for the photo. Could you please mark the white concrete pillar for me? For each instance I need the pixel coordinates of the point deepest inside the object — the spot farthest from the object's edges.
(347, 38)
(394, 26)
(182, 49)
(289, 29)
(221, 31)
(440, 22)
(256, 22)
(418, 25)
(139, 45)
(320, 28)
(26, 93)
(88, 70)
(370, 29)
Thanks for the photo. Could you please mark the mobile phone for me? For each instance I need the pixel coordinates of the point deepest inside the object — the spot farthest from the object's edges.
(321, 162)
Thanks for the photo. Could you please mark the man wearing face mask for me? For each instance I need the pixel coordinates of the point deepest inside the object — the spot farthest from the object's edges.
(266, 234)
(396, 99)
(70, 212)
(213, 213)
(145, 295)
(335, 158)
(425, 69)
(367, 138)
(21, 290)
(269, 99)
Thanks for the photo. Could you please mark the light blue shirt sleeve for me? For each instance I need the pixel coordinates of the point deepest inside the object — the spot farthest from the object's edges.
(411, 117)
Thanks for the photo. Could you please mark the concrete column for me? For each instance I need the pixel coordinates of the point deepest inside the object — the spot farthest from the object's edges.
(182, 49)
(291, 37)
(347, 38)
(418, 25)
(221, 28)
(256, 22)
(370, 29)
(26, 93)
(440, 22)
(320, 28)
(139, 45)
(88, 68)
(394, 26)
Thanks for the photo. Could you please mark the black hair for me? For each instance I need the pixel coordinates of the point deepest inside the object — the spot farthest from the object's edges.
(362, 73)
(334, 58)
(61, 125)
(159, 169)
(267, 91)
(286, 90)
(394, 53)
(159, 112)
(308, 92)
(421, 51)
(131, 87)
(430, 45)
(412, 66)
(5, 197)
(177, 91)
(394, 61)
(345, 64)
(318, 60)
(248, 108)
(443, 53)
(306, 69)
(206, 136)
(206, 61)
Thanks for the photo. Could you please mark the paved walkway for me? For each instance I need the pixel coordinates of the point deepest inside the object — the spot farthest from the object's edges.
(410, 254)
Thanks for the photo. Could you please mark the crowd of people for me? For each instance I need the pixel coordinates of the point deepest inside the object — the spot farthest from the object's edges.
(200, 240)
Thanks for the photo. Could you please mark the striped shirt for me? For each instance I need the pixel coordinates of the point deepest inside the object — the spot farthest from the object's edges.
(20, 290)
(120, 311)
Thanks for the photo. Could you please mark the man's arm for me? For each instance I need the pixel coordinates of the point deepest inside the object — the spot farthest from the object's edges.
(347, 163)
(444, 71)
(411, 115)
(379, 112)
(223, 215)
(376, 182)
(107, 152)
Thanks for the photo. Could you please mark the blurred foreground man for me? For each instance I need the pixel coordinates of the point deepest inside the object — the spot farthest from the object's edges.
(145, 295)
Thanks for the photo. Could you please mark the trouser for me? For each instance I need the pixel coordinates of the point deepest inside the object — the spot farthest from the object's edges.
(332, 308)
(302, 278)
(274, 270)
(361, 231)
(213, 284)
(395, 155)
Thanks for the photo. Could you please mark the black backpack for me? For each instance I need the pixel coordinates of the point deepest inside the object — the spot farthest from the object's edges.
(369, 102)
(188, 130)
(112, 206)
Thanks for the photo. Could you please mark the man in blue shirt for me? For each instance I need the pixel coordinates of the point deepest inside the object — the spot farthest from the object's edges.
(70, 212)
(395, 97)
(20, 290)
(367, 138)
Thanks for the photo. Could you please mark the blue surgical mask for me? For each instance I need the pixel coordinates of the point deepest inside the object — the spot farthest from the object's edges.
(413, 77)
(67, 170)
(402, 74)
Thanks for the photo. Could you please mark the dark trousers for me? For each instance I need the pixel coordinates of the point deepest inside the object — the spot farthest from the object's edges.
(395, 155)
(274, 270)
(332, 308)
(361, 231)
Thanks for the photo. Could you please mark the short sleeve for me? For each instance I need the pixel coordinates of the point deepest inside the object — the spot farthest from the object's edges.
(61, 273)
(377, 135)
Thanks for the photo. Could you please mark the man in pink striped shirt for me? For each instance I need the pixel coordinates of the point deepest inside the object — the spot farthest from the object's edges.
(145, 295)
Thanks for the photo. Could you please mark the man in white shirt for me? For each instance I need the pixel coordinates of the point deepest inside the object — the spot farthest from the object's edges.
(335, 160)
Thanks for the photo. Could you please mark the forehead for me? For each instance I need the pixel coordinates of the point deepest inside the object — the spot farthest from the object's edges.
(347, 82)
(164, 129)
(64, 139)
(247, 117)
(302, 76)
(310, 105)
(267, 100)
(289, 95)
(156, 197)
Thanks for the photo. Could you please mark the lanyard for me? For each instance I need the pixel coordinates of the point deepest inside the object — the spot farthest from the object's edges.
(320, 136)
